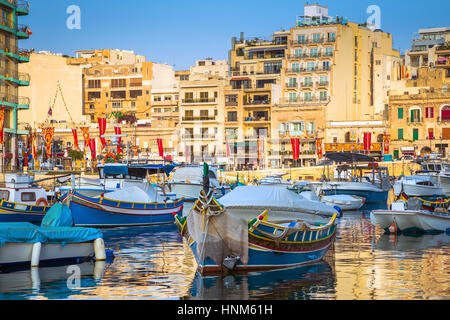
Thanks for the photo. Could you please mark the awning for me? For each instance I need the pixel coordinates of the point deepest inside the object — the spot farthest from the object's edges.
(348, 157)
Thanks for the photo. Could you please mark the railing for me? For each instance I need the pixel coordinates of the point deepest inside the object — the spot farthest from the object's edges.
(199, 118)
(322, 84)
(440, 119)
(231, 103)
(414, 120)
(256, 102)
(307, 84)
(256, 119)
(22, 4)
(201, 100)
(197, 137)
(14, 99)
(304, 101)
(231, 120)
(292, 85)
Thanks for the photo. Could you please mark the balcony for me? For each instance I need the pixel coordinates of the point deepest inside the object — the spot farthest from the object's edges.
(13, 101)
(314, 100)
(256, 120)
(200, 118)
(164, 103)
(231, 103)
(200, 101)
(22, 32)
(257, 103)
(19, 78)
(322, 84)
(292, 85)
(443, 119)
(23, 7)
(198, 137)
(307, 85)
(414, 120)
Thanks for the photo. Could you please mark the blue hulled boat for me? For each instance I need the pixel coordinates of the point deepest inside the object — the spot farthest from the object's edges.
(223, 242)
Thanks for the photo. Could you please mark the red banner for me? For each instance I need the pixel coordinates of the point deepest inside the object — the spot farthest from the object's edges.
(295, 148)
(86, 137)
(319, 148)
(2, 125)
(33, 147)
(93, 149)
(48, 137)
(160, 148)
(118, 131)
(367, 141)
(386, 142)
(102, 129)
(75, 139)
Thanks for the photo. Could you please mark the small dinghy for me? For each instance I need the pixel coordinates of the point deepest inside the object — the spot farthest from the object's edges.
(344, 201)
(55, 241)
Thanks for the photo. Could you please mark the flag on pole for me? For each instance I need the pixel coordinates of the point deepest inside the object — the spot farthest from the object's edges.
(102, 130)
(75, 138)
(92, 146)
(367, 140)
(160, 148)
(118, 131)
(86, 137)
(2, 125)
(295, 148)
(48, 137)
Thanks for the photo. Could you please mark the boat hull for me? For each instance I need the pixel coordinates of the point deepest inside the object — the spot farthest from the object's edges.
(100, 212)
(417, 190)
(16, 212)
(372, 198)
(444, 182)
(20, 254)
(409, 221)
(352, 203)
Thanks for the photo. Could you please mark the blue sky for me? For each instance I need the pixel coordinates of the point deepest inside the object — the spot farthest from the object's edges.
(179, 32)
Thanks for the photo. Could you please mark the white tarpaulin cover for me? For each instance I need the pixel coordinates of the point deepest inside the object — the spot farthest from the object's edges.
(143, 194)
(273, 197)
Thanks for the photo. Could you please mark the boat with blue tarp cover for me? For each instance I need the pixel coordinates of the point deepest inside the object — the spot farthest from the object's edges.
(55, 240)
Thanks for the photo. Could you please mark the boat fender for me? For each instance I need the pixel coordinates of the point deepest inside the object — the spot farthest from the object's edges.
(230, 261)
(99, 249)
(36, 254)
(339, 210)
(43, 201)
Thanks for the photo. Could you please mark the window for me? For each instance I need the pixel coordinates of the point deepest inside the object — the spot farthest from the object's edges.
(94, 84)
(308, 81)
(415, 115)
(135, 93)
(445, 113)
(157, 98)
(118, 83)
(292, 82)
(296, 67)
(331, 36)
(94, 95)
(118, 94)
(429, 112)
(301, 38)
(297, 128)
(298, 53)
(400, 133)
(430, 133)
(310, 66)
(310, 128)
(323, 95)
(308, 96)
(323, 80)
(232, 116)
(116, 104)
(316, 37)
(400, 113)
(326, 65)
(28, 196)
(4, 195)
(329, 51)
(292, 97)
(313, 52)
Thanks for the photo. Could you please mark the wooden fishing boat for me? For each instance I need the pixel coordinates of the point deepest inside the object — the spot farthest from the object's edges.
(223, 242)
(428, 204)
(106, 212)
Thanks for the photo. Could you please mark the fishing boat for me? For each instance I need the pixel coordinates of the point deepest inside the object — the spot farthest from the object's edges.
(133, 206)
(118, 176)
(22, 201)
(418, 186)
(409, 217)
(249, 201)
(55, 241)
(187, 181)
(444, 179)
(223, 242)
(369, 181)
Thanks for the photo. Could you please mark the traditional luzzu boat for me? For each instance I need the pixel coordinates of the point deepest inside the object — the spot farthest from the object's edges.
(410, 217)
(222, 242)
(55, 241)
(135, 206)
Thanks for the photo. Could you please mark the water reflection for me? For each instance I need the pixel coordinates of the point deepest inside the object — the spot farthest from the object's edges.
(155, 263)
(315, 281)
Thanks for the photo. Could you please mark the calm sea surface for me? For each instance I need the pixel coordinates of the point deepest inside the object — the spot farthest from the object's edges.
(154, 263)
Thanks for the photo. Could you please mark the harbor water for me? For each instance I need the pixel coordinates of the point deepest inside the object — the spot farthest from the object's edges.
(154, 263)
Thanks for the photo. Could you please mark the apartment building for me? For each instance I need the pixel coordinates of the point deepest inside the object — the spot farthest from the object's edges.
(419, 114)
(10, 77)
(254, 84)
(118, 91)
(89, 58)
(202, 117)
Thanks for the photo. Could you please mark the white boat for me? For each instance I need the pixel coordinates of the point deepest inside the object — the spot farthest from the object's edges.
(248, 202)
(444, 180)
(19, 189)
(409, 217)
(273, 180)
(418, 186)
(187, 182)
(25, 244)
(343, 201)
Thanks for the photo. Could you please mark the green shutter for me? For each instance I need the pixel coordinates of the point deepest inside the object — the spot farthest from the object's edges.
(400, 133)
(396, 154)
(400, 113)
(415, 134)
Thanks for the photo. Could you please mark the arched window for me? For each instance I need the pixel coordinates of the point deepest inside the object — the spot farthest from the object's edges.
(348, 137)
(445, 113)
